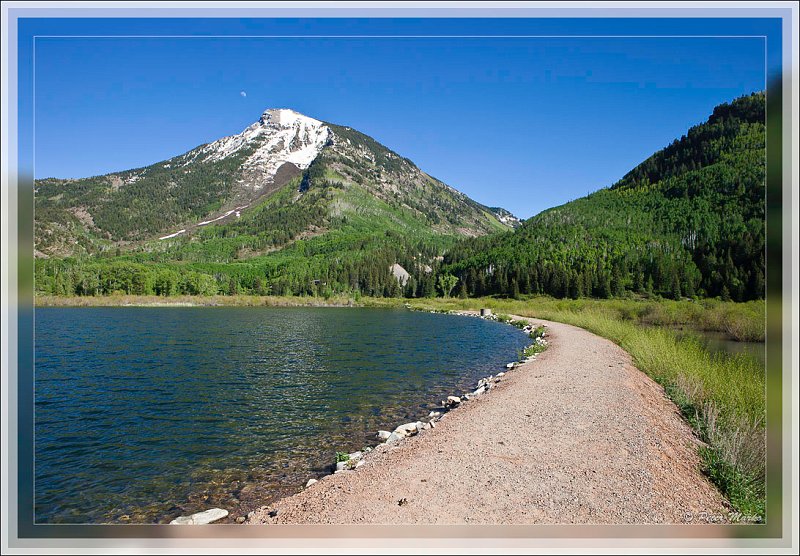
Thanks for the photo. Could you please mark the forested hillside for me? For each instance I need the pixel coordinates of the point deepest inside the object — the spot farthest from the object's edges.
(89, 215)
(688, 221)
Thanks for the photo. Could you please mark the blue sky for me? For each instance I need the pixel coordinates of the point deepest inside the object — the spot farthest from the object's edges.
(523, 123)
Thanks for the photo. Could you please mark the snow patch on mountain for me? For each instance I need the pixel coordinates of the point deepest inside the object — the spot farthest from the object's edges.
(179, 232)
(281, 135)
(506, 217)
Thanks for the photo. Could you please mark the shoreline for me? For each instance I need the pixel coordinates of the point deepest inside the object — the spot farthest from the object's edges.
(736, 321)
(449, 306)
(457, 449)
(429, 467)
(393, 436)
(197, 301)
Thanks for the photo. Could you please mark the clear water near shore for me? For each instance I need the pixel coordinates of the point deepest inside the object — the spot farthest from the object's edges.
(143, 414)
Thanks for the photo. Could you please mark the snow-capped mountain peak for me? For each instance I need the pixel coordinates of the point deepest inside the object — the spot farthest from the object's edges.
(285, 118)
(280, 135)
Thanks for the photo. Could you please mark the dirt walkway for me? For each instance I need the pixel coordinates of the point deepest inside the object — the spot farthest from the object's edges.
(577, 436)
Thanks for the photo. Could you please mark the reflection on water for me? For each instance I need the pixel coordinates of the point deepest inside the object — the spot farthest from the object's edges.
(143, 414)
(719, 342)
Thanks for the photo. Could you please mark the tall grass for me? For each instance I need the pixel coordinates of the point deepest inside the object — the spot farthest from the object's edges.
(738, 321)
(721, 396)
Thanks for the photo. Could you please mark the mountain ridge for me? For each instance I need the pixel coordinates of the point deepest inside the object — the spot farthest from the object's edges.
(225, 177)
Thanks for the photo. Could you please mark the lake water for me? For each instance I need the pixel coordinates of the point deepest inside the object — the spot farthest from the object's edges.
(719, 342)
(144, 414)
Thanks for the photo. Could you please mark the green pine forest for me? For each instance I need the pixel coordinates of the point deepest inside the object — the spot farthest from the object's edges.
(687, 222)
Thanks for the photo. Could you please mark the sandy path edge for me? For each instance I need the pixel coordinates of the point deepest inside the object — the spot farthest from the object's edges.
(578, 435)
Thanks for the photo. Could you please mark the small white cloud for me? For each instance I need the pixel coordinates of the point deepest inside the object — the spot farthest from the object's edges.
(243, 93)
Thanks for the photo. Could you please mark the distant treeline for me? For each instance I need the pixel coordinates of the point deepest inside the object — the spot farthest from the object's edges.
(301, 270)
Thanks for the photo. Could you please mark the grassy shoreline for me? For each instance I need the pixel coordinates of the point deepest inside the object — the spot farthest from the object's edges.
(739, 321)
(722, 397)
(193, 301)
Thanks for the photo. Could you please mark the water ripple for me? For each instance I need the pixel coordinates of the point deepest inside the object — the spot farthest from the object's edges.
(152, 412)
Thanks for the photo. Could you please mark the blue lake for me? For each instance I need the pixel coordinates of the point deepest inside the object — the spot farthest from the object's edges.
(143, 414)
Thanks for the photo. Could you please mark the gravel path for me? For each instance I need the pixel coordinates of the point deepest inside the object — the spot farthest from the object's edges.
(577, 436)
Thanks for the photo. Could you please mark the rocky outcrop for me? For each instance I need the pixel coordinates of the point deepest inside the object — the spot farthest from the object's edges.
(400, 273)
(201, 518)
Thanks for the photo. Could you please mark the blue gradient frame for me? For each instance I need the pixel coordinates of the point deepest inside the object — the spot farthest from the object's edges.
(770, 27)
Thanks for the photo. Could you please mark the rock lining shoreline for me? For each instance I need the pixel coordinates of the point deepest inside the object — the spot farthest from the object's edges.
(579, 436)
(352, 461)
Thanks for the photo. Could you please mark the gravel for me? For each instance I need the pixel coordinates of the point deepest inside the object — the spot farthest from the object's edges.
(579, 435)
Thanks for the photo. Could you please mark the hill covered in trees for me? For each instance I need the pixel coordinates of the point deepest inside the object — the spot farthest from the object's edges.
(688, 221)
